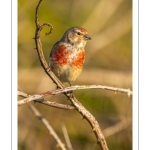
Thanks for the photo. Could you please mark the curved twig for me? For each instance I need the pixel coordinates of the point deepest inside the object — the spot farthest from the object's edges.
(38, 43)
(81, 109)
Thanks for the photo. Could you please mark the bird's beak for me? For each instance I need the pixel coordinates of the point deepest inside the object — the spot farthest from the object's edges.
(87, 37)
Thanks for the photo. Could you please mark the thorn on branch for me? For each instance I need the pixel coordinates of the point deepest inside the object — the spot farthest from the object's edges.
(37, 37)
(94, 129)
(97, 143)
(83, 117)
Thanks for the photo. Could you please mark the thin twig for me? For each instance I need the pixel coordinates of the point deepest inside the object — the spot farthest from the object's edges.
(56, 105)
(42, 101)
(66, 137)
(48, 126)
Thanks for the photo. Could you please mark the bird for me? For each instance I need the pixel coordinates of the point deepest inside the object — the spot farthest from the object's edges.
(68, 54)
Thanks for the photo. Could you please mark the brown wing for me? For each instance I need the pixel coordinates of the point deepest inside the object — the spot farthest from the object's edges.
(53, 48)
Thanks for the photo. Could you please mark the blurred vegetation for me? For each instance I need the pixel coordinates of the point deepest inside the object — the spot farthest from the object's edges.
(108, 62)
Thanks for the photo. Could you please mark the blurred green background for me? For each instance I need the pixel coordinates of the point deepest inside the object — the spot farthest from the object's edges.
(108, 62)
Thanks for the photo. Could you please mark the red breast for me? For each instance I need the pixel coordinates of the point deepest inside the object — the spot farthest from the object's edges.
(64, 55)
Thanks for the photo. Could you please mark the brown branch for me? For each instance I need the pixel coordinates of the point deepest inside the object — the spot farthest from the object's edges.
(48, 126)
(81, 87)
(80, 108)
(72, 88)
(42, 101)
(56, 105)
(92, 121)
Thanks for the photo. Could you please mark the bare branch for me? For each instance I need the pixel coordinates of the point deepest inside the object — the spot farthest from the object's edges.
(66, 137)
(48, 126)
(81, 87)
(56, 105)
(72, 88)
(23, 94)
(42, 101)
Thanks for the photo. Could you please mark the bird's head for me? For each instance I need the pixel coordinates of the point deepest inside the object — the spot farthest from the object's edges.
(77, 36)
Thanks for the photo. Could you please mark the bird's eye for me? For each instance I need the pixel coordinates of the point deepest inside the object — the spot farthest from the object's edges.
(78, 33)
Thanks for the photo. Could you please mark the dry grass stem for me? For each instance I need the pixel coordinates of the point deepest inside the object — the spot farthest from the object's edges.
(48, 126)
(68, 143)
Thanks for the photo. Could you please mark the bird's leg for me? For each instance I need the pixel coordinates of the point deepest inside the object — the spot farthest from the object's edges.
(70, 92)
